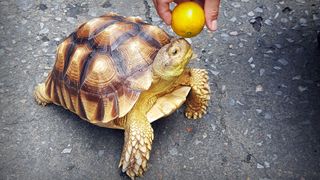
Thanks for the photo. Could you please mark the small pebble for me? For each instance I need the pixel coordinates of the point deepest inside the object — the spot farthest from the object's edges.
(259, 111)
(283, 61)
(268, 22)
(284, 20)
(24, 21)
(259, 88)
(245, 132)
(266, 164)
(204, 135)
(279, 46)
(240, 103)
(302, 88)
(44, 31)
(233, 19)
(213, 127)
(23, 101)
(250, 60)
(71, 20)
(223, 89)
(100, 153)
(269, 136)
(235, 4)
(197, 142)
(303, 21)
(290, 40)
(259, 166)
(262, 71)
(298, 77)
(233, 33)
(269, 52)
(260, 143)
(67, 151)
(277, 68)
(267, 116)
(173, 151)
(301, 1)
(216, 73)
(258, 10)
(251, 13)
(232, 102)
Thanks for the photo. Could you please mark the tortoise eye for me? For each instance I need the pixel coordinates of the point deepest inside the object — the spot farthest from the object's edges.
(174, 51)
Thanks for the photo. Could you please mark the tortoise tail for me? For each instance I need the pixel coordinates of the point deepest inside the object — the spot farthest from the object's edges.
(40, 95)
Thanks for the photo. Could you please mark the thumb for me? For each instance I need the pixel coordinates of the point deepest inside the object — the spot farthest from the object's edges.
(211, 10)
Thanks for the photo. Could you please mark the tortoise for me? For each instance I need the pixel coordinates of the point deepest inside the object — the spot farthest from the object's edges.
(123, 73)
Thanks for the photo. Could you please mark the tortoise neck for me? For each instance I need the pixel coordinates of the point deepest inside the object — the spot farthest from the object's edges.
(149, 97)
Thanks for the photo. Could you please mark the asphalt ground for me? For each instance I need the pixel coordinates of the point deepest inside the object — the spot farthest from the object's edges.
(263, 120)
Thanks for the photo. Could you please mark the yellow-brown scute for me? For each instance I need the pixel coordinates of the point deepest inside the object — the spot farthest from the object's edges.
(101, 72)
(137, 54)
(77, 61)
(89, 28)
(61, 54)
(103, 66)
(111, 34)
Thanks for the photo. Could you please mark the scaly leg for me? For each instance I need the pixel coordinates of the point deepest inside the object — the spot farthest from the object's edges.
(137, 146)
(198, 99)
(40, 95)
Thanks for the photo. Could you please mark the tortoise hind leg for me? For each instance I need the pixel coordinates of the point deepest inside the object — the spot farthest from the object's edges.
(137, 146)
(40, 95)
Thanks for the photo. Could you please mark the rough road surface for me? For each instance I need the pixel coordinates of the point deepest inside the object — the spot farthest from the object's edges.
(263, 121)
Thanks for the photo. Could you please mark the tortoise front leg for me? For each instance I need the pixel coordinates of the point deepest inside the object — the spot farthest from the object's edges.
(198, 99)
(137, 145)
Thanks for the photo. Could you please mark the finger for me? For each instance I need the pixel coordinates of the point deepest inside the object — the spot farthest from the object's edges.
(211, 10)
(163, 10)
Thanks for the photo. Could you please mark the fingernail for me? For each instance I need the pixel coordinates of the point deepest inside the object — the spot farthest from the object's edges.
(214, 25)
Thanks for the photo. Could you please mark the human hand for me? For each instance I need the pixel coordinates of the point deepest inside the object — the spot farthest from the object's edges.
(211, 10)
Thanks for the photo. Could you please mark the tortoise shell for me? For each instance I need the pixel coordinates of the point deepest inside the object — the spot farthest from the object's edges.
(102, 67)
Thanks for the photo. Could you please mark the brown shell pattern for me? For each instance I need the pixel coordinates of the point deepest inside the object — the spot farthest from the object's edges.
(102, 67)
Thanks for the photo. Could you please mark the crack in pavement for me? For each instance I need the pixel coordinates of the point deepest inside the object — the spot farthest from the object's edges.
(147, 13)
(222, 95)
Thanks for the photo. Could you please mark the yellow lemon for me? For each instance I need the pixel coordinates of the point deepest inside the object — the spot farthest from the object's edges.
(187, 19)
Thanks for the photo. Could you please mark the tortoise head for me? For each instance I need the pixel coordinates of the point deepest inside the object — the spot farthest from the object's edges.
(172, 59)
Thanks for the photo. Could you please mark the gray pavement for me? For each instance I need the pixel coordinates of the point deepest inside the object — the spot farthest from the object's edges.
(263, 121)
